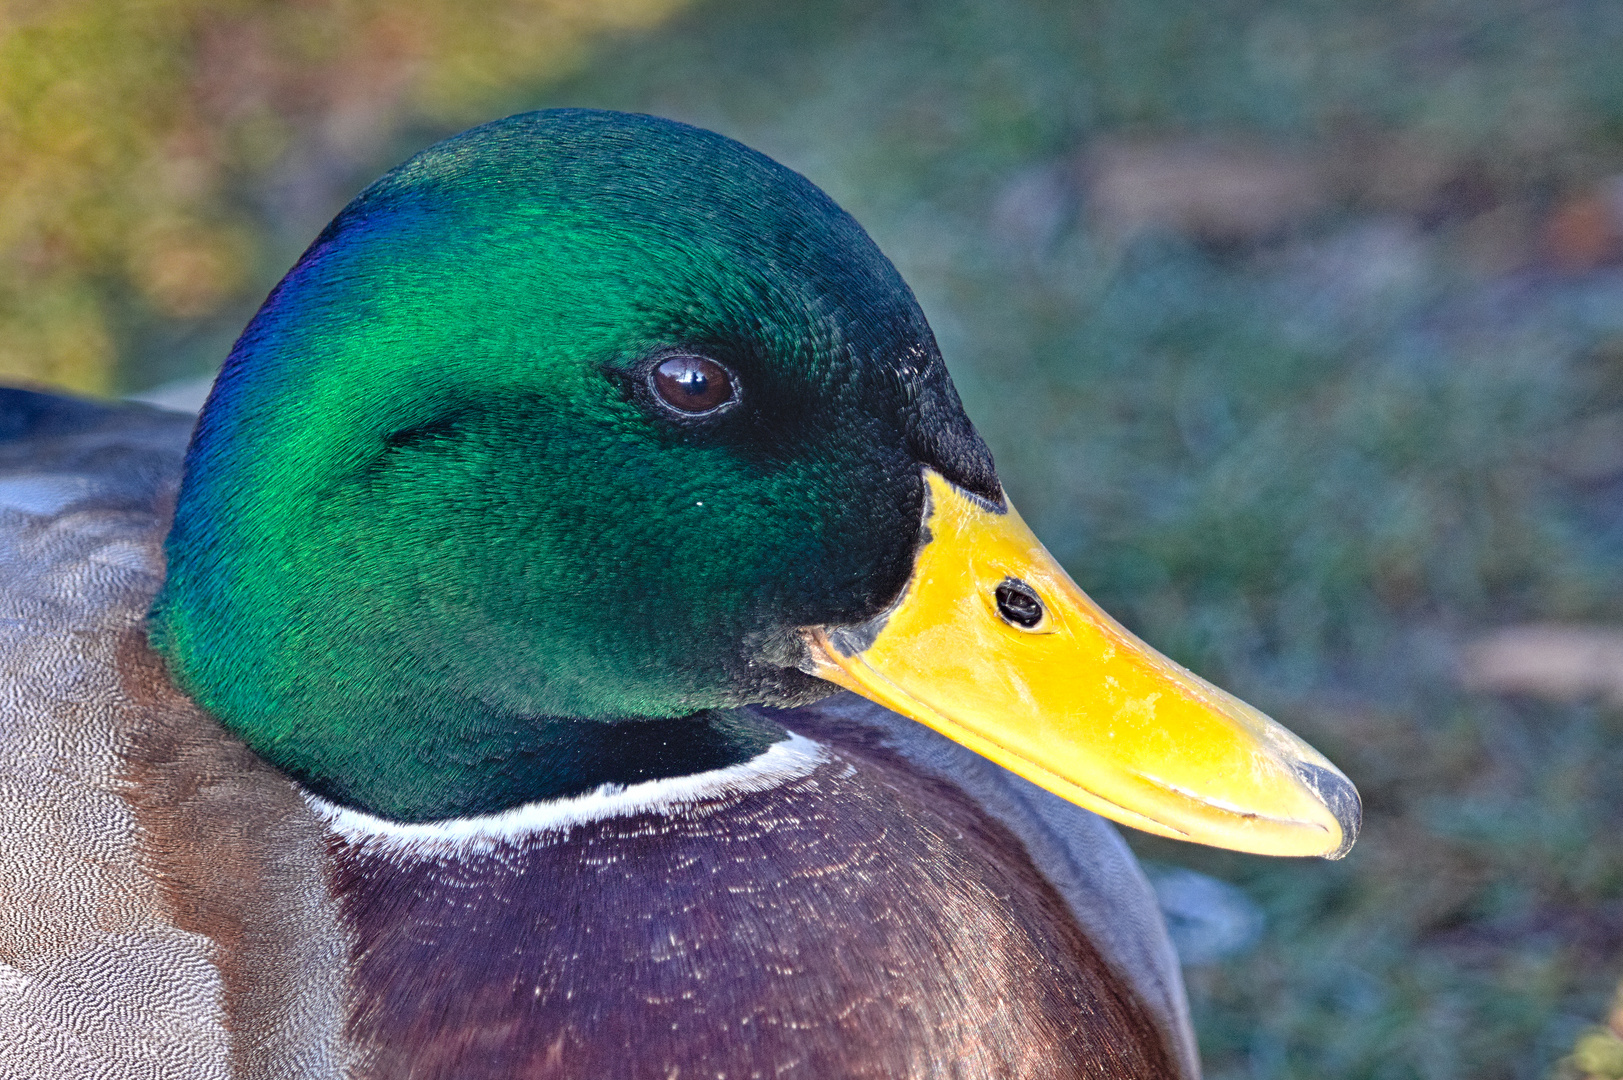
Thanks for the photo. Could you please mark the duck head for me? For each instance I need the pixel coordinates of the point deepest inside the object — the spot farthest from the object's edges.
(579, 430)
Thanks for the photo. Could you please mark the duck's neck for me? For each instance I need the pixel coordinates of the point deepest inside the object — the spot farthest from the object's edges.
(397, 743)
(415, 713)
(495, 764)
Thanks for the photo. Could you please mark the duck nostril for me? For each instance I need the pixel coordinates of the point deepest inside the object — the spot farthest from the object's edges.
(1019, 604)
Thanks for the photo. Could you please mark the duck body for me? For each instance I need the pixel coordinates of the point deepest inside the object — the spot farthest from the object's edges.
(860, 900)
(453, 698)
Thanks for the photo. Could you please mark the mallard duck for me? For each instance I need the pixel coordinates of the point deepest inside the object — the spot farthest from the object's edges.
(461, 707)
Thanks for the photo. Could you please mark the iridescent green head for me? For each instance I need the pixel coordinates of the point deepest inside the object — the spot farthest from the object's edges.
(547, 447)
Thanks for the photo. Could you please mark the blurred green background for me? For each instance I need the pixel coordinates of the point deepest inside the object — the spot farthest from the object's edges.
(1297, 330)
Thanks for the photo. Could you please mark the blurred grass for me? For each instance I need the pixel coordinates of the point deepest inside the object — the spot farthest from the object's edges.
(1307, 442)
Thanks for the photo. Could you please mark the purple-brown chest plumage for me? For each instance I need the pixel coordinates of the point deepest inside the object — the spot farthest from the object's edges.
(855, 921)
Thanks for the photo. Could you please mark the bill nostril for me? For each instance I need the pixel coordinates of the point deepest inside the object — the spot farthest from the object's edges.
(1018, 603)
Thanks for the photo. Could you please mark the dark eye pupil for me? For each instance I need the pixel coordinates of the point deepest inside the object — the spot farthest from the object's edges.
(692, 384)
(1018, 603)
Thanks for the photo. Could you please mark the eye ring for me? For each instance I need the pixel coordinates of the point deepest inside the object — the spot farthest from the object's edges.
(691, 385)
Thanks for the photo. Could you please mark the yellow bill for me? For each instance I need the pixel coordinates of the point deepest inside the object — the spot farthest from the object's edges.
(993, 645)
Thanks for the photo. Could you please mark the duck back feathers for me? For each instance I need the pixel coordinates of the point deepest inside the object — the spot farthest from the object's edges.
(162, 915)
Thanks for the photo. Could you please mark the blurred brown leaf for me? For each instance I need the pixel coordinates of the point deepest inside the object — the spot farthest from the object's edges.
(1546, 660)
(1586, 231)
(1213, 190)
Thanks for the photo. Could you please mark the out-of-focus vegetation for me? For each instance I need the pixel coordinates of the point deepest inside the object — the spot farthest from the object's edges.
(1297, 329)
(147, 145)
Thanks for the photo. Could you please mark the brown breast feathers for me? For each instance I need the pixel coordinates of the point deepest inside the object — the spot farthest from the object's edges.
(859, 921)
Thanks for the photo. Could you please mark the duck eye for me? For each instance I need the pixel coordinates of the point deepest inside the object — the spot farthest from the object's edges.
(692, 384)
(1017, 602)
